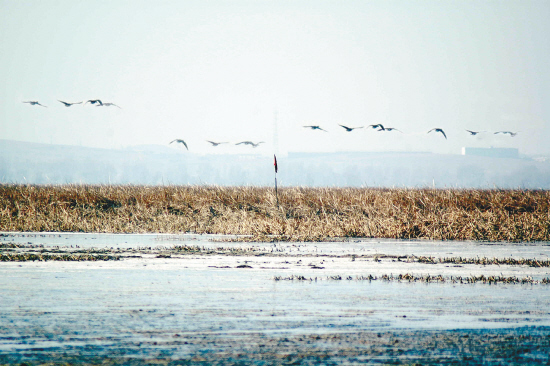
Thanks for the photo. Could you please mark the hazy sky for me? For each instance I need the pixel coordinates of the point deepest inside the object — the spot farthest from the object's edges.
(226, 70)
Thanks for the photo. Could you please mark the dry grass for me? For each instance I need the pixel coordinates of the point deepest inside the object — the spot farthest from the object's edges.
(407, 277)
(303, 214)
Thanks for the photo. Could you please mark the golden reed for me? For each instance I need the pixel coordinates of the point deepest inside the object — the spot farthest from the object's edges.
(308, 214)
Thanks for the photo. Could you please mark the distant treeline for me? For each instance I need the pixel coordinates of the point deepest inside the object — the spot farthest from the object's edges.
(308, 214)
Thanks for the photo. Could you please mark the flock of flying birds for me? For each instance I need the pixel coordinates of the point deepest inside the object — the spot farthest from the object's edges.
(377, 127)
(96, 102)
(214, 143)
(99, 103)
(380, 127)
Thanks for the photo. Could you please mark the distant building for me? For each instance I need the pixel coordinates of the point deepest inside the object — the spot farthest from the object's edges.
(492, 152)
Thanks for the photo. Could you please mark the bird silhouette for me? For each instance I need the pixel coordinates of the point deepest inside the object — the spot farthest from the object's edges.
(512, 134)
(349, 129)
(378, 125)
(473, 133)
(68, 104)
(438, 130)
(390, 129)
(216, 143)
(180, 141)
(34, 102)
(106, 104)
(94, 101)
(250, 143)
(315, 128)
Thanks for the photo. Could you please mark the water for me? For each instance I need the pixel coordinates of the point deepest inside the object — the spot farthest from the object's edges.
(352, 246)
(74, 305)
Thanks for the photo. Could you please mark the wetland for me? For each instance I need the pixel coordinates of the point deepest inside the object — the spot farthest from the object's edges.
(205, 299)
(222, 275)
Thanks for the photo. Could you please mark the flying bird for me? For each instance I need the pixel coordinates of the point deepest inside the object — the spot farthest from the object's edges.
(216, 143)
(94, 101)
(438, 130)
(108, 105)
(315, 128)
(473, 133)
(180, 141)
(378, 125)
(349, 129)
(250, 143)
(512, 134)
(390, 129)
(68, 104)
(34, 102)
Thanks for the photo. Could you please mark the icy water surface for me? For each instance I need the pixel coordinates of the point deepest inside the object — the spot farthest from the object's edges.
(149, 306)
(348, 246)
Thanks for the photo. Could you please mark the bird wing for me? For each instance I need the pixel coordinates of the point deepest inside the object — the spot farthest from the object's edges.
(67, 104)
(443, 132)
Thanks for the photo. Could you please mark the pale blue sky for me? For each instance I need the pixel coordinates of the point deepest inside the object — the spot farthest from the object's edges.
(218, 70)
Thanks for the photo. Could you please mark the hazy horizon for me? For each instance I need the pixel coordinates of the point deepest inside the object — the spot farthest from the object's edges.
(226, 71)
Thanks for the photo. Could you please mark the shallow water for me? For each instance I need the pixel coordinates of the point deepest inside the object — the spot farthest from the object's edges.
(135, 300)
(347, 246)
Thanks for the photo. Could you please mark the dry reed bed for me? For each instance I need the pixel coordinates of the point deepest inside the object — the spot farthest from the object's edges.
(308, 214)
(407, 277)
(41, 257)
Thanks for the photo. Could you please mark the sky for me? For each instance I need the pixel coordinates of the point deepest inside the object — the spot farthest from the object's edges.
(261, 70)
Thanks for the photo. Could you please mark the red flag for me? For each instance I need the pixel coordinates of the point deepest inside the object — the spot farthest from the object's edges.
(275, 163)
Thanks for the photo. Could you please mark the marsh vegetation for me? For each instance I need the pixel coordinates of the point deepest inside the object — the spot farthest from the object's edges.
(303, 214)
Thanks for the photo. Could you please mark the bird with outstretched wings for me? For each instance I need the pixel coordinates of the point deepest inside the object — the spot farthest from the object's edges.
(349, 129)
(34, 102)
(250, 143)
(67, 104)
(315, 128)
(181, 142)
(438, 130)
